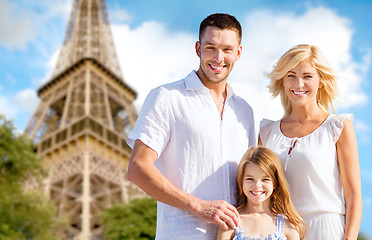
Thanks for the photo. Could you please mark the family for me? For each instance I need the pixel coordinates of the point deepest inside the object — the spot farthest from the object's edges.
(196, 152)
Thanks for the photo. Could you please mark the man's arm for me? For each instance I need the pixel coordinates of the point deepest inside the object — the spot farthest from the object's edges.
(145, 175)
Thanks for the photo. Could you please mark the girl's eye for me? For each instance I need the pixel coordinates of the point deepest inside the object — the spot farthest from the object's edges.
(266, 179)
(291, 76)
(308, 76)
(249, 179)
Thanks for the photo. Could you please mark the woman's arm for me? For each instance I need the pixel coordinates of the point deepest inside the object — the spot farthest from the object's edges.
(347, 153)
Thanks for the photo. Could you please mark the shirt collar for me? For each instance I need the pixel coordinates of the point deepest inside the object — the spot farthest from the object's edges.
(193, 82)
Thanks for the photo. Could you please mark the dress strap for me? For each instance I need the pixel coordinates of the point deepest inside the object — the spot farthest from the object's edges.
(280, 221)
(239, 234)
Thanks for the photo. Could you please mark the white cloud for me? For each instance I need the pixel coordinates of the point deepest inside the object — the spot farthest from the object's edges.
(49, 69)
(120, 15)
(150, 55)
(23, 22)
(19, 107)
(362, 131)
(56, 8)
(7, 108)
(16, 26)
(10, 78)
(361, 126)
(27, 100)
(367, 201)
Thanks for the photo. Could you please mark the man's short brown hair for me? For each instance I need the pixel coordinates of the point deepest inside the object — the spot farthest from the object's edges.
(222, 21)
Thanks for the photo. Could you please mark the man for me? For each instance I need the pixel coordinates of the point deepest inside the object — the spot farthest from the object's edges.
(189, 138)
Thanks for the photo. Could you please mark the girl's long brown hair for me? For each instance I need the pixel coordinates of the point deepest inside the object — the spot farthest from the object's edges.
(280, 198)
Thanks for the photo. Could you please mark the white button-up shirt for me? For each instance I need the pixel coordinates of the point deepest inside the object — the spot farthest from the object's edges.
(197, 150)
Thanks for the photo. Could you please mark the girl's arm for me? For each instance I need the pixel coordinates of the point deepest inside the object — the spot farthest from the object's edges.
(348, 159)
(225, 234)
(291, 232)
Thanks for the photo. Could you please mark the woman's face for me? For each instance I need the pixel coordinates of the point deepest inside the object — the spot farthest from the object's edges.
(301, 84)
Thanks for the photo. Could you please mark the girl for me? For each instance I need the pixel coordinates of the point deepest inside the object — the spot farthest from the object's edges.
(263, 201)
(317, 149)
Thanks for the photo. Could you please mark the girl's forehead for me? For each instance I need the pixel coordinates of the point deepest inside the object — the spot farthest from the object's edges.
(253, 169)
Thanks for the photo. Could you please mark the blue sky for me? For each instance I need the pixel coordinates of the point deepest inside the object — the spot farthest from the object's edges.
(155, 44)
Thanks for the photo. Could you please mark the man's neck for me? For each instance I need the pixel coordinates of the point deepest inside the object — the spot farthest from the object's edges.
(215, 88)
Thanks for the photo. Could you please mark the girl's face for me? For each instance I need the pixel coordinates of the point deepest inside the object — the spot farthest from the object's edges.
(301, 84)
(257, 185)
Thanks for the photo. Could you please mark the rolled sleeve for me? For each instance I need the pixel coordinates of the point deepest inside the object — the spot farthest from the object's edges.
(152, 126)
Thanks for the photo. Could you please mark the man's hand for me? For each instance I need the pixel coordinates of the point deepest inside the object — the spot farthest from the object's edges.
(144, 174)
(219, 212)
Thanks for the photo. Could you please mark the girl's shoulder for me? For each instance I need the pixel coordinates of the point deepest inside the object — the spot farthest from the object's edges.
(290, 231)
(224, 234)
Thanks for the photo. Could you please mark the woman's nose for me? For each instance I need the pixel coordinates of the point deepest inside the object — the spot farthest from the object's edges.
(299, 82)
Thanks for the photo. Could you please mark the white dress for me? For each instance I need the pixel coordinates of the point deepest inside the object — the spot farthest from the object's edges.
(311, 167)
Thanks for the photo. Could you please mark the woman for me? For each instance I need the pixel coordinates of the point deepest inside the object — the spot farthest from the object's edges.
(318, 150)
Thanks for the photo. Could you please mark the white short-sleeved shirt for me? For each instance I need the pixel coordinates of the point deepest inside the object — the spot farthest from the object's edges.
(311, 167)
(197, 151)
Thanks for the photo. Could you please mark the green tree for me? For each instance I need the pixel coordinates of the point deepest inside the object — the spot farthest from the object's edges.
(23, 214)
(361, 236)
(136, 220)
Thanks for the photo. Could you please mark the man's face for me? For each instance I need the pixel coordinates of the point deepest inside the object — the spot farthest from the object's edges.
(218, 50)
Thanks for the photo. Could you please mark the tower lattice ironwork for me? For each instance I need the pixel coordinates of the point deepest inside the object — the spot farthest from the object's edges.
(82, 122)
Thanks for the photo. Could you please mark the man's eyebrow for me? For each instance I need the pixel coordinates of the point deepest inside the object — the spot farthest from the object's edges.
(209, 43)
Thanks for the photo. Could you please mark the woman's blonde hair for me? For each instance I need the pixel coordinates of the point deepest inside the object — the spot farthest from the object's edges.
(280, 202)
(294, 56)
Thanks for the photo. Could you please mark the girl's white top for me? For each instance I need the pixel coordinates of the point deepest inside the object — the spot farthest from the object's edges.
(310, 164)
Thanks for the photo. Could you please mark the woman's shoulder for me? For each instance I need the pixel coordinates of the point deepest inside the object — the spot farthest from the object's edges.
(266, 125)
(267, 122)
(267, 128)
(339, 118)
(337, 123)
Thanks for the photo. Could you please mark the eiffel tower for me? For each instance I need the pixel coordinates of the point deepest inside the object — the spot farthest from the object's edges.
(81, 124)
